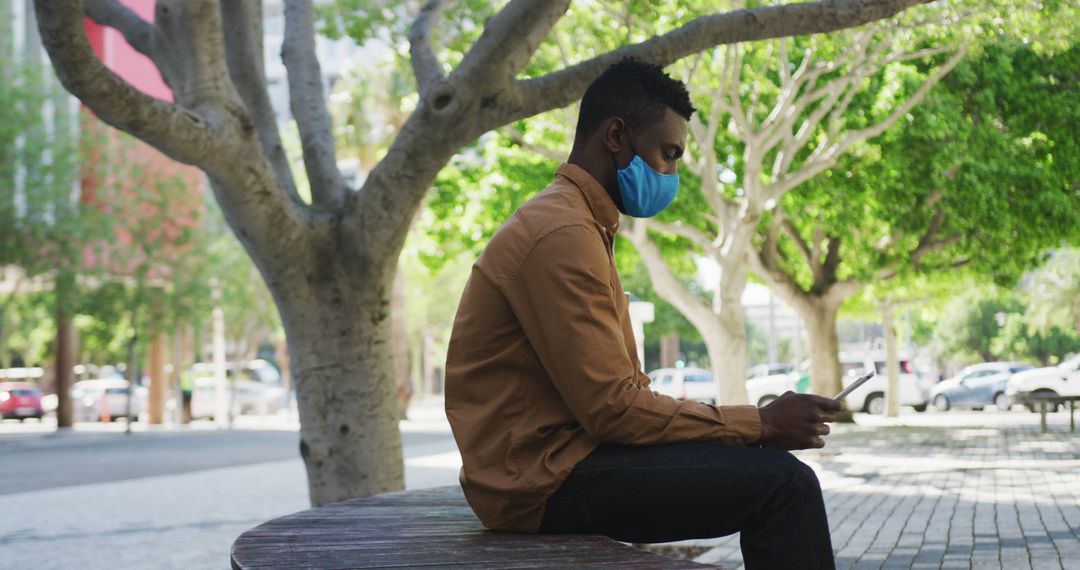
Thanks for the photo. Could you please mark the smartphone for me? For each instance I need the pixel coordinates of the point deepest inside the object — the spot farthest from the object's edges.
(851, 388)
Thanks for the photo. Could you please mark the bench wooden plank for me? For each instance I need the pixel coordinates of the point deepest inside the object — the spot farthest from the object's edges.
(430, 528)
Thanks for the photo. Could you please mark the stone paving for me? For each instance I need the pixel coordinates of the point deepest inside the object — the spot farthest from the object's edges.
(934, 490)
(988, 494)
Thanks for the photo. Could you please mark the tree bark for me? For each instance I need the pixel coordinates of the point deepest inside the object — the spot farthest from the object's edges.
(158, 379)
(341, 358)
(669, 350)
(726, 342)
(722, 325)
(819, 315)
(65, 361)
(402, 381)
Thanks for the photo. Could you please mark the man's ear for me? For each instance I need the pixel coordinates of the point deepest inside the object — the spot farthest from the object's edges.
(611, 133)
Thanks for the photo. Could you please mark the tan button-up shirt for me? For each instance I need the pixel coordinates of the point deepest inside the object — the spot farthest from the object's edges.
(542, 364)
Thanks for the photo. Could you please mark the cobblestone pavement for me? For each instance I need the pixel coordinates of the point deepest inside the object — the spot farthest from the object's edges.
(933, 490)
(946, 491)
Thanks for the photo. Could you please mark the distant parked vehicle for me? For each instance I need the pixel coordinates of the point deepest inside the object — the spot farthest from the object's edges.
(1060, 380)
(20, 400)
(977, 386)
(764, 389)
(89, 396)
(685, 384)
(870, 398)
(252, 386)
(770, 369)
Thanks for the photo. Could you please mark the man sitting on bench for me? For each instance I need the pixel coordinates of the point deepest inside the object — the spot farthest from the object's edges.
(557, 427)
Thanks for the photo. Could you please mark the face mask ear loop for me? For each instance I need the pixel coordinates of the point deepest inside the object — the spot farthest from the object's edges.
(632, 149)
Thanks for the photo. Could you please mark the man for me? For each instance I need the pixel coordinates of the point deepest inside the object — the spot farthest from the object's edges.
(557, 427)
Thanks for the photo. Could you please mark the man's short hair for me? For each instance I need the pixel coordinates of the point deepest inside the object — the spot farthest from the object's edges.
(635, 91)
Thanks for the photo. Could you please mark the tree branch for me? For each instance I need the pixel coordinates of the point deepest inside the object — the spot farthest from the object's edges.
(508, 42)
(663, 280)
(804, 247)
(696, 236)
(511, 133)
(139, 33)
(309, 105)
(244, 56)
(426, 67)
(181, 133)
(825, 156)
(870, 132)
(765, 262)
(563, 87)
(832, 258)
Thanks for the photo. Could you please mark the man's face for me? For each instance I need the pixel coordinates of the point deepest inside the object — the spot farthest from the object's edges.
(660, 144)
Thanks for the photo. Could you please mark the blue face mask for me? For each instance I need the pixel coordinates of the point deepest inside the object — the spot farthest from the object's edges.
(644, 191)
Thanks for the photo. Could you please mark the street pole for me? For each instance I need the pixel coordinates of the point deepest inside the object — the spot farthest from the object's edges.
(156, 409)
(221, 404)
(132, 377)
(892, 361)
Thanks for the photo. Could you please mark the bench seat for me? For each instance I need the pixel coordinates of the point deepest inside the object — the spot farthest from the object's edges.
(428, 528)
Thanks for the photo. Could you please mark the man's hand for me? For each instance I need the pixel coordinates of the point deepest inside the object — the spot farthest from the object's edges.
(797, 421)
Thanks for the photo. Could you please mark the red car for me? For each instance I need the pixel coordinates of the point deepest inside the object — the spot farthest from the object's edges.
(20, 400)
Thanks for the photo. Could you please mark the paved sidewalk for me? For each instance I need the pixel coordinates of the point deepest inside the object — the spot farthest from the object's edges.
(946, 491)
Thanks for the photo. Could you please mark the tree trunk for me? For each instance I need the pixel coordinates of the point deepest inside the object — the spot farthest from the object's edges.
(65, 360)
(402, 381)
(341, 360)
(820, 319)
(669, 350)
(158, 379)
(892, 362)
(727, 352)
(722, 325)
(726, 342)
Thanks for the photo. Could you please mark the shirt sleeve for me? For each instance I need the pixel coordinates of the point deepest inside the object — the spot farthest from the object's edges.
(563, 297)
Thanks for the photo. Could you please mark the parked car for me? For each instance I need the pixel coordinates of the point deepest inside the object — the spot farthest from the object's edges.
(20, 400)
(870, 398)
(1060, 380)
(764, 389)
(769, 369)
(88, 397)
(252, 386)
(977, 386)
(685, 384)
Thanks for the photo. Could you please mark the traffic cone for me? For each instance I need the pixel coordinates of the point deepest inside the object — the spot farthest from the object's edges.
(105, 417)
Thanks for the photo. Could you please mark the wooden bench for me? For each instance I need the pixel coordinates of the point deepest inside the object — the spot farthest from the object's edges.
(1043, 400)
(430, 528)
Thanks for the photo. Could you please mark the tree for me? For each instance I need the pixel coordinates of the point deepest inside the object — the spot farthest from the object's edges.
(1019, 339)
(771, 120)
(971, 180)
(1054, 293)
(41, 217)
(330, 263)
(971, 321)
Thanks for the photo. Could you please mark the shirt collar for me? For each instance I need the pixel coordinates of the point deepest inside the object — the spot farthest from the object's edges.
(602, 206)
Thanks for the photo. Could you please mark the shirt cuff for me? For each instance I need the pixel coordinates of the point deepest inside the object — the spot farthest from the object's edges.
(743, 420)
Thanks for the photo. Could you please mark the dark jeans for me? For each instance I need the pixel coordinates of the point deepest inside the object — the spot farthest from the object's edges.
(680, 491)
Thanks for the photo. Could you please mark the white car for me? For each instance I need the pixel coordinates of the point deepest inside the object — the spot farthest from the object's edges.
(870, 397)
(685, 384)
(1060, 380)
(252, 387)
(764, 389)
(771, 369)
(88, 397)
